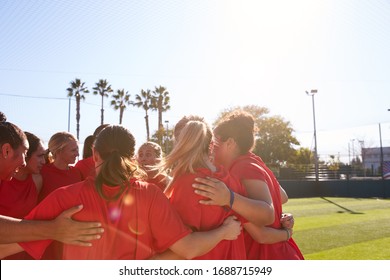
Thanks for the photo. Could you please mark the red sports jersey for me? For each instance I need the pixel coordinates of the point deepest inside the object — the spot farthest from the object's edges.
(160, 181)
(138, 224)
(86, 167)
(250, 166)
(17, 198)
(54, 178)
(203, 217)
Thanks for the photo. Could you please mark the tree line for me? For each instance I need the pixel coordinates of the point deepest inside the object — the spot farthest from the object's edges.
(155, 100)
(275, 142)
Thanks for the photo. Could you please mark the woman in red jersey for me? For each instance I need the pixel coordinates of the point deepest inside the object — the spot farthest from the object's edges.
(19, 195)
(87, 165)
(59, 172)
(190, 159)
(234, 140)
(13, 149)
(64, 150)
(148, 156)
(139, 221)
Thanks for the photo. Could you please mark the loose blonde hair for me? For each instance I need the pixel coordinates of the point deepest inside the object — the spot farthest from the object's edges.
(191, 150)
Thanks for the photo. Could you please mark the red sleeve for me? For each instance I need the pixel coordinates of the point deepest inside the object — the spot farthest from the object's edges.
(53, 205)
(86, 167)
(163, 215)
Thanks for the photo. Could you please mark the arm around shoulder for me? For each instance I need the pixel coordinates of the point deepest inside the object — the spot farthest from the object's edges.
(268, 235)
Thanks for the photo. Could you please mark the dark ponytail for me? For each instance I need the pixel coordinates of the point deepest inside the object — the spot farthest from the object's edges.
(115, 146)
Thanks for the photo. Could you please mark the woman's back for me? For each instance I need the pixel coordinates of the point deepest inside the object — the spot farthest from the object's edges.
(137, 224)
(203, 217)
(250, 166)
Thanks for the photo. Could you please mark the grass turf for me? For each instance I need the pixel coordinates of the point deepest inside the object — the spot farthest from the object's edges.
(341, 228)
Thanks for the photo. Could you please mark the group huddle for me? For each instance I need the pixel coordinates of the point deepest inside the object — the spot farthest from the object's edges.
(210, 198)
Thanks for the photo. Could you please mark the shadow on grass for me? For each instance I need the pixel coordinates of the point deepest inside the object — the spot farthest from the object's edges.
(342, 207)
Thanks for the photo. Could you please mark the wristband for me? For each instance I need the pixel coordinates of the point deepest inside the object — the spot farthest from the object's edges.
(231, 198)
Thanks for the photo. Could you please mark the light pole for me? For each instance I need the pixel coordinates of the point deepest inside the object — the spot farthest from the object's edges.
(312, 93)
(363, 154)
(381, 149)
(353, 163)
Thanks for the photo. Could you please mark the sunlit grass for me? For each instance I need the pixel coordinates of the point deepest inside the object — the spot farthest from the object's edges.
(342, 228)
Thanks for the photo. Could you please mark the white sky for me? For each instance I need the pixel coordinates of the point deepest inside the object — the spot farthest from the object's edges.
(210, 55)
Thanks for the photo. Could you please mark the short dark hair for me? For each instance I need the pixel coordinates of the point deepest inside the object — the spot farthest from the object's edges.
(33, 143)
(240, 126)
(11, 134)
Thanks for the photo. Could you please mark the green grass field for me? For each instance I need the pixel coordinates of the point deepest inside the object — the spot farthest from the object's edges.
(335, 228)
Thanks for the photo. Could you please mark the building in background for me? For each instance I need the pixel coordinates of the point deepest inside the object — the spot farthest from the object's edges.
(371, 159)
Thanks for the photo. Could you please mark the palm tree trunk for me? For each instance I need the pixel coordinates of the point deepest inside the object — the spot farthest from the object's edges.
(78, 117)
(147, 126)
(102, 115)
(160, 125)
(121, 114)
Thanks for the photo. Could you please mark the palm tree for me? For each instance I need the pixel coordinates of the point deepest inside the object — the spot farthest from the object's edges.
(144, 100)
(76, 89)
(160, 104)
(102, 88)
(120, 100)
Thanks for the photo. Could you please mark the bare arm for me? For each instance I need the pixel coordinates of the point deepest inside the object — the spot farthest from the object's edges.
(18, 230)
(268, 235)
(283, 195)
(199, 243)
(9, 249)
(63, 229)
(257, 208)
